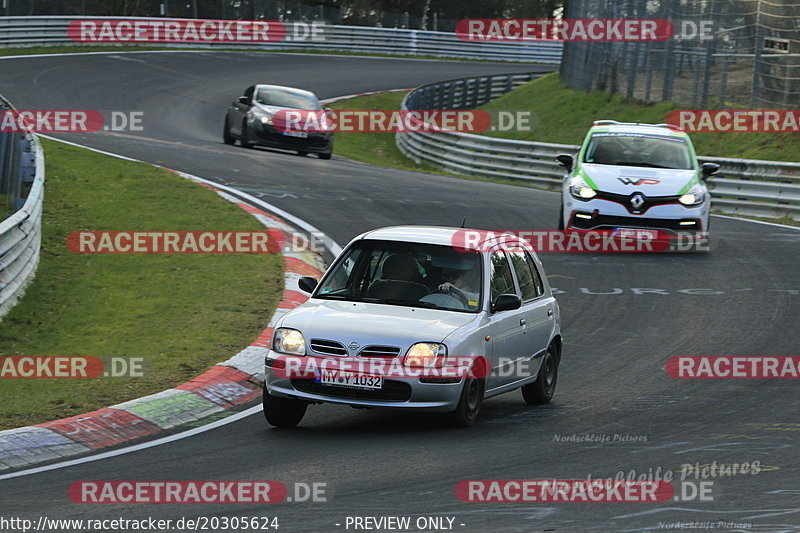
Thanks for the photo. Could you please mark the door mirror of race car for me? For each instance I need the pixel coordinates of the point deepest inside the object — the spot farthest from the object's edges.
(245, 100)
(506, 302)
(565, 161)
(307, 284)
(709, 169)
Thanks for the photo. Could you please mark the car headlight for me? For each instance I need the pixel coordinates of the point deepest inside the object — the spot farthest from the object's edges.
(579, 189)
(694, 196)
(426, 355)
(289, 341)
(266, 119)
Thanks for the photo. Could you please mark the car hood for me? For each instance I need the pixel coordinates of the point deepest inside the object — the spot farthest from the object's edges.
(370, 323)
(272, 109)
(626, 180)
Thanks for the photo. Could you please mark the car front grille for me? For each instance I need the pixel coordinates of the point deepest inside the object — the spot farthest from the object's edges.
(648, 201)
(392, 390)
(609, 221)
(326, 347)
(388, 352)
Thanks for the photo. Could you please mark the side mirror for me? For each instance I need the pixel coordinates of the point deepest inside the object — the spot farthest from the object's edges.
(506, 302)
(565, 161)
(708, 169)
(244, 100)
(307, 284)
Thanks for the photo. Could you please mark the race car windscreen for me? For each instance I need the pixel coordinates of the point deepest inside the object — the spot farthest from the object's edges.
(410, 274)
(283, 98)
(638, 151)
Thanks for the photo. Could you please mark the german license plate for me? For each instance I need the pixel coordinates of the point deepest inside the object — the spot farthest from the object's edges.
(636, 234)
(353, 380)
(292, 133)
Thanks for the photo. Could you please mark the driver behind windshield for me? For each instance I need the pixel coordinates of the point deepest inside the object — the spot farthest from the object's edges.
(463, 283)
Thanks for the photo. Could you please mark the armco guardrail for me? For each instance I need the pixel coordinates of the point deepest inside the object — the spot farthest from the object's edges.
(742, 186)
(52, 31)
(22, 183)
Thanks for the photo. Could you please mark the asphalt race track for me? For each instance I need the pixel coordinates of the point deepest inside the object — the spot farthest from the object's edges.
(624, 315)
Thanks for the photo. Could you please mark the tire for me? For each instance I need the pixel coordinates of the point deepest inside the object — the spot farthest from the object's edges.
(543, 389)
(469, 405)
(243, 138)
(561, 218)
(227, 138)
(283, 412)
(302, 153)
(326, 155)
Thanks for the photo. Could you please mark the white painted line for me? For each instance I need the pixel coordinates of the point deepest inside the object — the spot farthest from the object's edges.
(758, 222)
(332, 246)
(143, 446)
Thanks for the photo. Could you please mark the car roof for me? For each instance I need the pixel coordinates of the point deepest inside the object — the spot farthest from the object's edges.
(440, 235)
(612, 126)
(284, 88)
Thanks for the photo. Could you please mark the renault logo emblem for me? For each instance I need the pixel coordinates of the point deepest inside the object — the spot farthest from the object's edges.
(353, 346)
(637, 201)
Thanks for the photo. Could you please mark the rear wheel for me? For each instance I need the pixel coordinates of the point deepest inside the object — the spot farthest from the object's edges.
(244, 139)
(469, 405)
(543, 389)
(283, 412)
(301, 153)
(227, 138)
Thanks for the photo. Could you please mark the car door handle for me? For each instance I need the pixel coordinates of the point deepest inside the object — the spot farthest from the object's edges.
(549, 312)
(522, 322)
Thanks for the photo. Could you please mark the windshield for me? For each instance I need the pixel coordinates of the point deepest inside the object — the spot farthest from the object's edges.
(635, 150)
(286, 98)
(409, 274)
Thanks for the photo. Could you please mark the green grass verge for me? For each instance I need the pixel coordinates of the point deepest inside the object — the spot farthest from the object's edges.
(373, 148)
(380, 148)
(182, 312)
(564, 116)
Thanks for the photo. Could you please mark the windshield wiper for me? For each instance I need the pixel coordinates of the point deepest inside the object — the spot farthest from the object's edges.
(638, 164)
(401, 301)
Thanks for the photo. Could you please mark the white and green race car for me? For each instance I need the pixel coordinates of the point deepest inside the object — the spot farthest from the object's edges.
(641, 178)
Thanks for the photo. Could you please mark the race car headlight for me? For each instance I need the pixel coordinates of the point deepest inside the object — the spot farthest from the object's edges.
(266, 119)
(426, 355)
(289, 341)
(694, 197)
(579, 189)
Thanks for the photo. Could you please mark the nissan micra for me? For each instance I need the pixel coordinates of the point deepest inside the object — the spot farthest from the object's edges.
(410, 317)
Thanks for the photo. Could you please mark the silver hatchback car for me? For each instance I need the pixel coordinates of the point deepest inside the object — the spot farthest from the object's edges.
(412, 317)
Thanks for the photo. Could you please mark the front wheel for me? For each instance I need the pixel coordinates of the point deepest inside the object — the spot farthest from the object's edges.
(469, 405)
(326, 155)
(244, 139)
(561, 218)
(543, 389)
(283, 412)
(227, 138)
